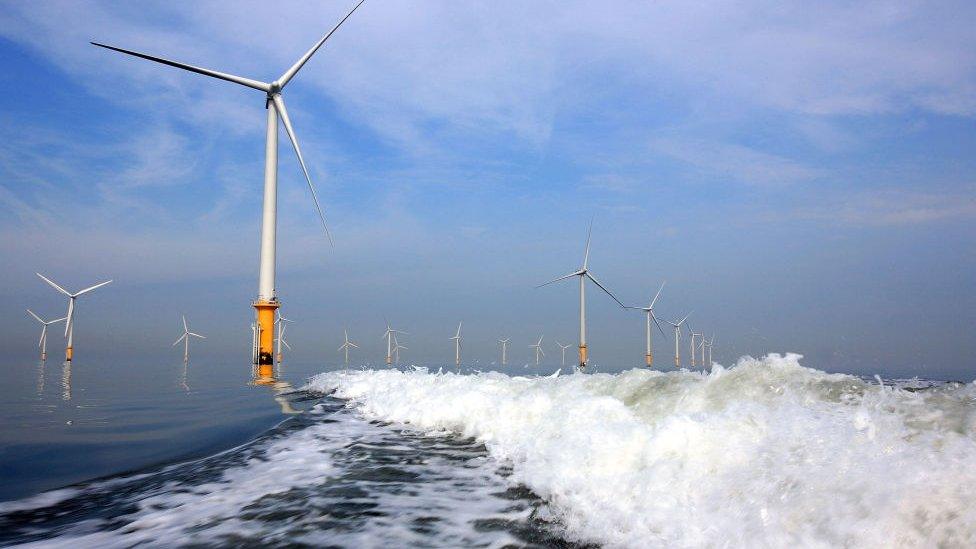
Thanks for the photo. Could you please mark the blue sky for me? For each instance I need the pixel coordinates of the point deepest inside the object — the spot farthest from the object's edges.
(803, 177)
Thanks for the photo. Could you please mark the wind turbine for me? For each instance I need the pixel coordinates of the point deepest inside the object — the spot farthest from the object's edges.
(347, 344)
(694, 349)
(280, 325)
(185, 338)
(390, 336)
(396, 349)
(69, 327)
(677, 336)
(267, 301)
(281, 340)
(649, 310)
(711, 342)
(563, 349)
(457, 347)
(583, 273)
(538, 350)
(42, 343)
(504, 343)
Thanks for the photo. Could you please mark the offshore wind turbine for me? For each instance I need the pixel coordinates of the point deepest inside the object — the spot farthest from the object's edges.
(457, 347)
(69, 326)
(677, 336)
(583, 273)
(346, 345)
(280, 325)
(267, 301)
(396, 349)
(185, 338)
(694, 349)
(390, 336)
(42, 343)
(649, 310)
(563, 349)
(538, 350)
(504, 343)
(280, 340)
(711, 342)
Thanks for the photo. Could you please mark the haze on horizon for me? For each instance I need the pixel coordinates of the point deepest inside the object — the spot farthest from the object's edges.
(802, 177)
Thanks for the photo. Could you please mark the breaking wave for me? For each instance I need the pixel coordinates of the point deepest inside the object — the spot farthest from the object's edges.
(767, 453)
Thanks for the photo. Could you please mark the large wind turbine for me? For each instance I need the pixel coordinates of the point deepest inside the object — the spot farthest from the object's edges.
(346, 345)
(504, 343)
(267, 300)
(677, 336)
(42, 343)
(538, 350)
(583, 273)
(390, 335)
(563, 349)
(185, 338)
(69, 326)
(457, 347)
(649, 310)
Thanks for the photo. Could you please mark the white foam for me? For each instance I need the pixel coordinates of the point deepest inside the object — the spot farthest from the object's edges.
(767, 453)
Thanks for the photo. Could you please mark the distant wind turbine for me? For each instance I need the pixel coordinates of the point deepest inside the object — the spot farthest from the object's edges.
(280, 325)
(649, 310)
(694, 349)
(390, 335)
(281, 340)
(346, 345)
(396, 349)
(711, 342)
(42, 343)
(583, 273)
(267, 302)
(504, 343)
(538, 350)
(457, 347)
(69, 327)
(563, 349)
(185, 338)
(677, 336)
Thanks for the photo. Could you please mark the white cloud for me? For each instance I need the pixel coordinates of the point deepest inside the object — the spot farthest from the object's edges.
(735, 162)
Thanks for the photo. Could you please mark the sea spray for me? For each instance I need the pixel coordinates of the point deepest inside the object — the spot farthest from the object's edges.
(766, 453)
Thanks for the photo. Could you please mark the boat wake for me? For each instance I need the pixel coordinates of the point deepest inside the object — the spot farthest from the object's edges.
(767, 453)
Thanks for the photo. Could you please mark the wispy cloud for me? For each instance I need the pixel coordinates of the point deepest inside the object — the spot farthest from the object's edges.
(734, 162)
(893, 208)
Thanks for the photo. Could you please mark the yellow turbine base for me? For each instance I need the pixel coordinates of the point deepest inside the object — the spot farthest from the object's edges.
(68, 353)
(389, 360)
(265, 321)
(649, 358)
(582, 356)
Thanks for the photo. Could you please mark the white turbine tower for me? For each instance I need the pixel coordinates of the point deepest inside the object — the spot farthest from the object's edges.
(649, 311)
(583, 273)
(563, 349)
(457, 347)
(185, 338)
(347, 345)
(267, 301)
(390, 336)
(504, 343)
(538, 350)
(677, 336)
(69, 327)
(42, 343)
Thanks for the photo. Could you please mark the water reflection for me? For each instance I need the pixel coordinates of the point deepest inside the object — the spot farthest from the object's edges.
(66, 380)
(40, 378)
(184, 377)
(264, 376)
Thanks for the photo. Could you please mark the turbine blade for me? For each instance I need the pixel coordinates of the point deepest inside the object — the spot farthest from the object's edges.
(53, 285)
(657, 295)
(280, 106)
(30, 312)
(353, 345)
(179, 340)
(570, 275)
(654, 318)
(285, 343)
(197, 335)
(290, 73)
(70, 316)
(586, 253)
(185, 329)
(602, 287)
(258, 85)
(685, 318)
(96, 286)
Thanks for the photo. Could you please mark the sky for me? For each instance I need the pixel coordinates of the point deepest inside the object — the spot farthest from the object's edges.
(802, 175)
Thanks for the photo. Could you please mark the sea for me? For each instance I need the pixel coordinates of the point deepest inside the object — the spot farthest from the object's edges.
(763, 453)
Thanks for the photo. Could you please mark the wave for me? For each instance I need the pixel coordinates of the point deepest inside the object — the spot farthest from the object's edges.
(766, 453)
